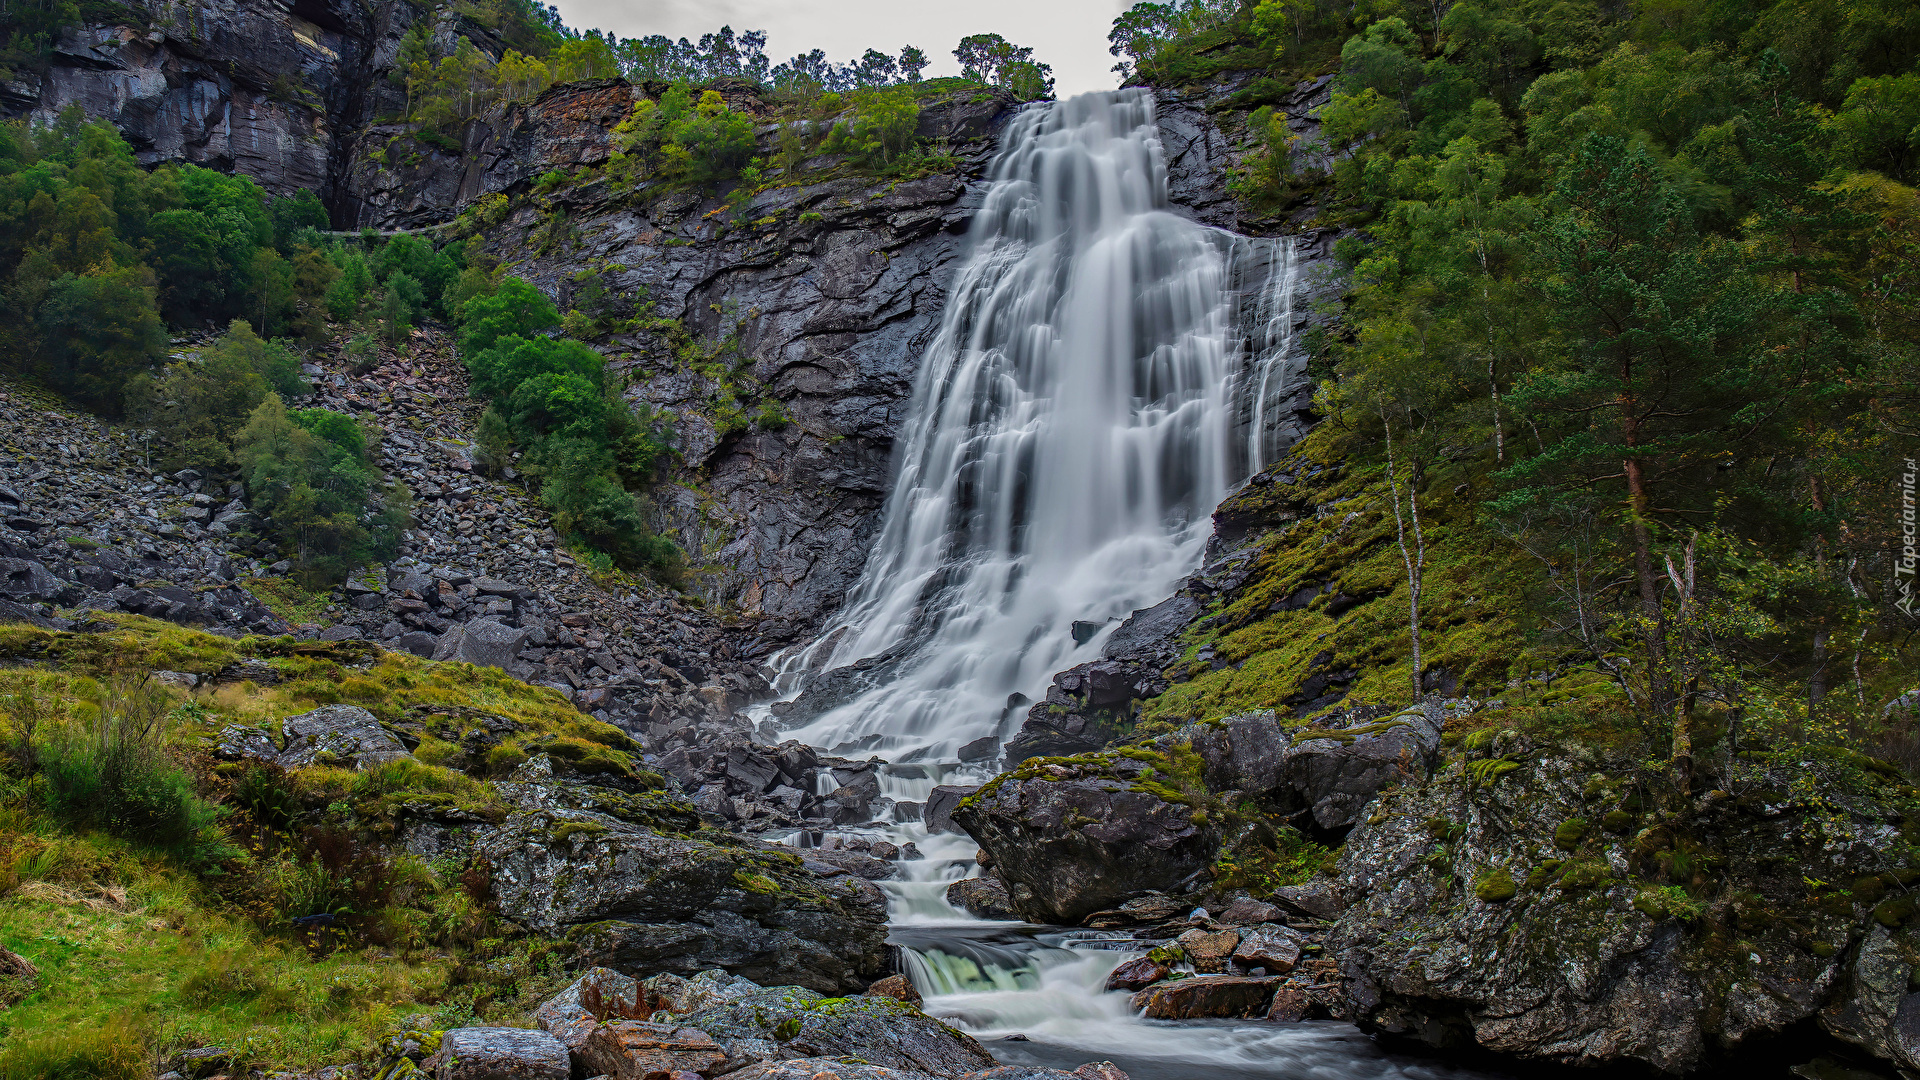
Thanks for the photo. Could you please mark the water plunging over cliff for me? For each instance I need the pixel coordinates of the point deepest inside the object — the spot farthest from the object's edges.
(1071, 430)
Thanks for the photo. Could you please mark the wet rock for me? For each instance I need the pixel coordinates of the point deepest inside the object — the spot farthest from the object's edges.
(1275, 948)
(898, 987)
(1290, 1004)
(498, 1053)
(816, 1068)
(940, 804)
(638, 1050)
(1137, 974)
(600, 994)
(790, 1022)
(1071, 842)
(1096, 1070)
(637, 901)
(670, 993)
(1207, 996)
(1208, 951)
(345, 736)
(982, 898)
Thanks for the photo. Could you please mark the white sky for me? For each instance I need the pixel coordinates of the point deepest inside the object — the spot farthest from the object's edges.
(1069, 34)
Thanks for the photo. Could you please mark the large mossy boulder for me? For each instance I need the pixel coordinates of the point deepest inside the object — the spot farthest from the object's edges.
(1563, 903)
(792, 1022)
(641, 901)
(1074, 836)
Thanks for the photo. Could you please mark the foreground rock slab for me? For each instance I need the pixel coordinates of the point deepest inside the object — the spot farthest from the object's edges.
(497, 1053)
(1207, 996)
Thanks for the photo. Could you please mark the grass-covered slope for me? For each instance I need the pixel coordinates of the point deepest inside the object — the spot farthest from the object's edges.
(153, 884)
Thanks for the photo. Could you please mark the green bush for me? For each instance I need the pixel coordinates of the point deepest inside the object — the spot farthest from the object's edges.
(113, 773)
(307, 472)
(199, 405)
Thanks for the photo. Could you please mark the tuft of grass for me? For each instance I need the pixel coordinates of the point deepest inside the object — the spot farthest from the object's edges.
(288, 599)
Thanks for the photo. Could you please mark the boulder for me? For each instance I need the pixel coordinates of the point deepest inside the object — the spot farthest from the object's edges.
(940, 803)
(1246, 911)
(237, 742)
(1093, 1070)
(1208, 951)
(637, 1050)
(635, 900)
(346, 736)
(1290, 1004)
(982, 898)
(1315, 899)
(898, 987)
(600, 994)
(670, 994)
(818, 1068)
(29, 582)
(1137, 974)
(1275, 948)
(483, 642)
(1207, 996)
(1613, 950)
(1073, 839)
(498, 1053)
(1326, 779)
(792, 1022)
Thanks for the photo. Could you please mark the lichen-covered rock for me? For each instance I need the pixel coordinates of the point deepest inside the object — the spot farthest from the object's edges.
(670, 994)
(641, 901)
(1074, 838)
(1688, 925)
(346, 736)
(498, 1053)
(791, 1022)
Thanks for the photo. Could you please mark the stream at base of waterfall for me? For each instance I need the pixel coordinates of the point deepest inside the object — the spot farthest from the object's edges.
(1105, 372)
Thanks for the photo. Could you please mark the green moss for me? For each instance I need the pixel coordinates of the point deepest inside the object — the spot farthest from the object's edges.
(1541, 875)
(1496, 886)
(1617, 822)
(567, 830)
(1570, 833)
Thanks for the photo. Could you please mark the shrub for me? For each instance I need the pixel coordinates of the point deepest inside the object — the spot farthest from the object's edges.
(113, 773)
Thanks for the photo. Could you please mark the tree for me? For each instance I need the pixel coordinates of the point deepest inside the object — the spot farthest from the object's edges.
(912, 63)
(1663, 373)
(515, 308)
(97, 332)
(400, 305)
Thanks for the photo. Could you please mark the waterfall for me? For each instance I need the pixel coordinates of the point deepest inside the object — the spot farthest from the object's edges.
(1272, 343)
(1069, 434)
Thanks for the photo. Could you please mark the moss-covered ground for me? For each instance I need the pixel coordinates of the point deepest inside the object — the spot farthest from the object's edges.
(148, 943)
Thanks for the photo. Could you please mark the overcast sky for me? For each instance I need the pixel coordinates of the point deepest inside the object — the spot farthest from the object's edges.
(1069, 34)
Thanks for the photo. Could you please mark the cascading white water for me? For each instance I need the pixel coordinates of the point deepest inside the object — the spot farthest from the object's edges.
(1272, 343)
(1069, 435)
(1096, 386)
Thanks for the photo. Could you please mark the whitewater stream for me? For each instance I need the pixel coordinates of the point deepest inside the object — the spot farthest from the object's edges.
(1106, 371)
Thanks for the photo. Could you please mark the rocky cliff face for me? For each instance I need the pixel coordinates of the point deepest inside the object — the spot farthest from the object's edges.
(264, 89)
(1556, 900)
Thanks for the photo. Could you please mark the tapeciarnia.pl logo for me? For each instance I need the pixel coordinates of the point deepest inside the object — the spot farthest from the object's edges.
(1909, 560)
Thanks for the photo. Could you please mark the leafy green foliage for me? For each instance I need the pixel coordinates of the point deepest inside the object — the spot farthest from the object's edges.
(200, 404)
(588, 446)
(307, 471)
